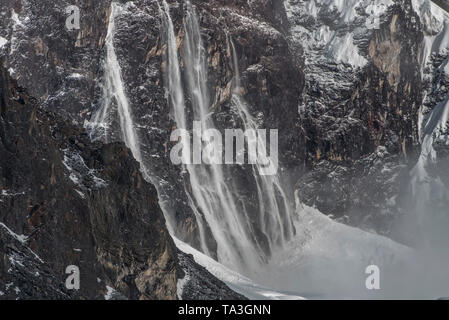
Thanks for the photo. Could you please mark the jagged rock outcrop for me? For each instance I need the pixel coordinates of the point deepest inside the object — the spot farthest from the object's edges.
(23, 274)
(199, 284)
(348, 100)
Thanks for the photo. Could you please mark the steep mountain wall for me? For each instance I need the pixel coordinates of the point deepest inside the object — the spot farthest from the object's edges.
(350, 100)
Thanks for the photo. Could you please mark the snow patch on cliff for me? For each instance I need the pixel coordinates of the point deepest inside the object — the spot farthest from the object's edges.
(326, 259)
(17, 27)
(76, 76)
(249, 23)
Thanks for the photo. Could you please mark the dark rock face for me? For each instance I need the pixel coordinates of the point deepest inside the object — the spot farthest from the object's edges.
(82, 204)
(57, 66)
(348, 136)
(72, 62)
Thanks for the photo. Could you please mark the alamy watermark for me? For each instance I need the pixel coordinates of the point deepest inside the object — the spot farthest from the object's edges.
(205, 146)
(73, 20)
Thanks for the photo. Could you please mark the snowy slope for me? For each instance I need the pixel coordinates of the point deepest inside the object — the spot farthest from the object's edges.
(234, 280)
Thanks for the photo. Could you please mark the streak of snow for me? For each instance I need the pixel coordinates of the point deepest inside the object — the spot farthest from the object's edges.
(344, 50)
(435, 23)
(436, 27)
(329, 27)
(75, 76)
(22, 239)
(15, 19)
